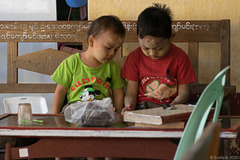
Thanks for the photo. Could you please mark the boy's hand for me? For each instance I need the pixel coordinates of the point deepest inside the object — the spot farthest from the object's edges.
(162, 92)
(127, 108)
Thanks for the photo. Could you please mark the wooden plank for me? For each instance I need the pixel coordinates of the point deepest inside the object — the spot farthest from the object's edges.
(97, 147)
(12, 53)
(76, 31)
(27, 88)
(225, 48)
(44, 31)
(193, 53)
(200, 31)
(185, 31)
(45, 61)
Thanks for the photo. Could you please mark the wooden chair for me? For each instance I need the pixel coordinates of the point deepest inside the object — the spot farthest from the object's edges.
(212, 95)
(207, 145)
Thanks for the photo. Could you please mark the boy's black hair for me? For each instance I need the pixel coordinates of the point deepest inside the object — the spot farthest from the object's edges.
(104, 23)
(155, 21)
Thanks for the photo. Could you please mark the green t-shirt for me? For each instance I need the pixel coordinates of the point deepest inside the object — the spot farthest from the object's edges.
(85, 83)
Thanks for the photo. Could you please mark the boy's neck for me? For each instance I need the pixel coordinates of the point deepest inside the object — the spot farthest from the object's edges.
(88, 60)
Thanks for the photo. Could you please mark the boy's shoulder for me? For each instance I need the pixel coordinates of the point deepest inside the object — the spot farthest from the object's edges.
(72, 58)
(113, 63)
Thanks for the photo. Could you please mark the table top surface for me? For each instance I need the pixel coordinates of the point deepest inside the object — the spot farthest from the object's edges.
(55, 125)
(47, 121)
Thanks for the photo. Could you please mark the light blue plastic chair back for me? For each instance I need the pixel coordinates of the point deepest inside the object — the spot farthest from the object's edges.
(212, 94)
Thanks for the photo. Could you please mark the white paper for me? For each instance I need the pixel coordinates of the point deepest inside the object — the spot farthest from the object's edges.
(23, 152)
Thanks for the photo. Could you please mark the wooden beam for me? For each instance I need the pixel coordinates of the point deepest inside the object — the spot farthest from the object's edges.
(225, 47)
(193, 53)
(76, 31)
(45, 61)
(27, 88)
(12, 71)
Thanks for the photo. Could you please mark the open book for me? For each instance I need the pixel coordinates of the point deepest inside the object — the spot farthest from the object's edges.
(158, 116)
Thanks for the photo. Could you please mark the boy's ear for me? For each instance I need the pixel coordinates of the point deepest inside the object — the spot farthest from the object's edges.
(90, 41)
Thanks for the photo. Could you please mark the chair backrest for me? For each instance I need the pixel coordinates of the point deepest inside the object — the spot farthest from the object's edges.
(213, 94)
(38, 104)
(207, 145)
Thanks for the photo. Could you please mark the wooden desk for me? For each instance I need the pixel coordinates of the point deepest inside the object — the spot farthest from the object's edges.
(61, 139)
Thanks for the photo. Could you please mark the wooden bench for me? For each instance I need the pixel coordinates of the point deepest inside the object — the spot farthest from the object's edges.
(46, 61)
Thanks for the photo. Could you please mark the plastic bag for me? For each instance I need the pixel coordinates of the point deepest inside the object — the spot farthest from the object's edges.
(96, 113)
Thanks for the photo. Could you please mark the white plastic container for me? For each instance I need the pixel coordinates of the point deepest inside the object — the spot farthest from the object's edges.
(39, 104)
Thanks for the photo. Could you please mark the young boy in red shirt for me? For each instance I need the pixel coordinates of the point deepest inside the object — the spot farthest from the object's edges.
(158, 72)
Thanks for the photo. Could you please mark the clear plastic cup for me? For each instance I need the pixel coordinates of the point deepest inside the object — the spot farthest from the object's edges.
(25, 114)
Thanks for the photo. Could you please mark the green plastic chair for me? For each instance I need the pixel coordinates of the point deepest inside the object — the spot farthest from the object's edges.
(207, 145)
(212, 94)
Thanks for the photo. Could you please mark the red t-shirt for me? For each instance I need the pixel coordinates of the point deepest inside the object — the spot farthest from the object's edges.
(173, 69)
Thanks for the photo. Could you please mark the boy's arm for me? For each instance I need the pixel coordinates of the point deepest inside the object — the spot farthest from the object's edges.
(183, 94)
(58, 98)
(118, 96)
(130, 100)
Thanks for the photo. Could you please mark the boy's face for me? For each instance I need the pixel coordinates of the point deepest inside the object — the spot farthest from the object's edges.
(106, 45)
(154, 47)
